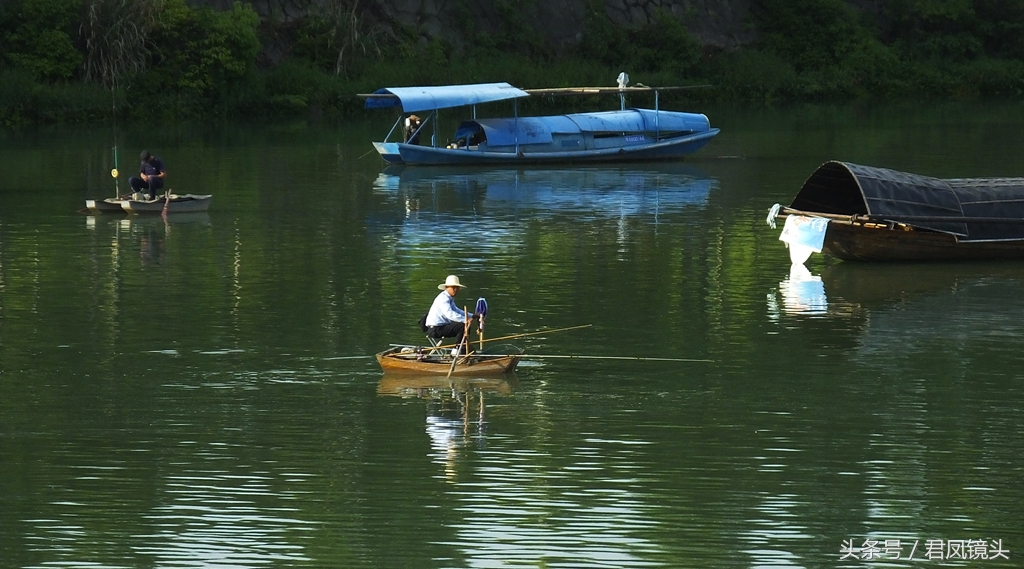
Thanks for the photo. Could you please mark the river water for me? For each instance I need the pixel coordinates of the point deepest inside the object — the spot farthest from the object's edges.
(200, 392)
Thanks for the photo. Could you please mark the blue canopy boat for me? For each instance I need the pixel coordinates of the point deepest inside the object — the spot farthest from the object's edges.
(625, 134)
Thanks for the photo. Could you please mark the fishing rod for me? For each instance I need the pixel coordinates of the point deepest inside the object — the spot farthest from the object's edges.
(113, 115)
(520, 335)
(633, 358)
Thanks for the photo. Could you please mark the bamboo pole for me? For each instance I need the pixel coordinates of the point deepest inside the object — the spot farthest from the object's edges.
(522, 335)
(465, 337)
(583, 357)
(864, 217)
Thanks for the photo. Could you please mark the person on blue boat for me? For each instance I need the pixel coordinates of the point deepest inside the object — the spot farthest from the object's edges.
(445, 319)
(151, 175)
(412, 124)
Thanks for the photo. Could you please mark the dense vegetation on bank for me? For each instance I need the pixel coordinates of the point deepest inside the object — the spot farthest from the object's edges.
(76, 60)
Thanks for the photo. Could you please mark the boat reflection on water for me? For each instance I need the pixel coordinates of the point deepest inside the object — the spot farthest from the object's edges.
(453, 419)
(879, 285)
(147, 234)
(651, 188)
(434, 203)
(845, 289)
(125, 221)
(440, 388)
(801, 292)
(969, 313)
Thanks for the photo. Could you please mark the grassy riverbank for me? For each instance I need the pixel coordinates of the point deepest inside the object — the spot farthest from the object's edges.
(63, 61)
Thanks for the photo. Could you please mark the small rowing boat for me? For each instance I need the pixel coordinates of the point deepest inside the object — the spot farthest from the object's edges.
(430, 361)
(175, 204)
(184, 203)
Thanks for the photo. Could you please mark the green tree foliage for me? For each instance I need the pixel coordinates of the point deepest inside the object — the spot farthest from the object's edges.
(335, 37)
(957, 30)
(59, 59)
(199, 54)
(115, 34)
(663, 45)
(935, 29)
(833, 53)
(38, 36)
(1001, 26)
(810, 34)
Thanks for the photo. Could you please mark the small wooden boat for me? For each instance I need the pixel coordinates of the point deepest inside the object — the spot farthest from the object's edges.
(877, 214)
(606, 136)
(425, 361)
(185, 203)
(178, 204)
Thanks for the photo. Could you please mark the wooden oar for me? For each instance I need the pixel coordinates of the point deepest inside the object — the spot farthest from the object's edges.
(465, 334)
(167, 201)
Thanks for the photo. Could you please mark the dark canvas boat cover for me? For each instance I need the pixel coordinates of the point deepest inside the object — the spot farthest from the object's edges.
(413, 99)
(972, 209)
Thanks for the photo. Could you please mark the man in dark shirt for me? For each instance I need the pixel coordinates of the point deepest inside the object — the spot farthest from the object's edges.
(412, 124)
(151, 175)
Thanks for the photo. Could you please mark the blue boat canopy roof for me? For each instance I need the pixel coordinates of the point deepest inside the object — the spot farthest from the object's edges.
(413, 99)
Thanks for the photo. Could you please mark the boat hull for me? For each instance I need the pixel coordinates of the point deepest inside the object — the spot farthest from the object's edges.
(410, 362)
(388, 151)
(858, 243)
(410, 154)
(109, 205)
(178, 204)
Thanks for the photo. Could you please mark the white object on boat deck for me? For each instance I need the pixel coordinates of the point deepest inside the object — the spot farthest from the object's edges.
(803, 235)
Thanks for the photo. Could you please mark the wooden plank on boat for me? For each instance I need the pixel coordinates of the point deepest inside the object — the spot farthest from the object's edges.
(601, 90)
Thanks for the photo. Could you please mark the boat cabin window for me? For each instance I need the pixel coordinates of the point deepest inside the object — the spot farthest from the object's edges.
(469, 134)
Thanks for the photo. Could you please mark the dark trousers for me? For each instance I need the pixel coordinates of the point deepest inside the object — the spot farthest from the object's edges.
(450, 330)
(138, 184)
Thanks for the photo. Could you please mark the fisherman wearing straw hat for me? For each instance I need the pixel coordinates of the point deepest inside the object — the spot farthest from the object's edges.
(445, 319)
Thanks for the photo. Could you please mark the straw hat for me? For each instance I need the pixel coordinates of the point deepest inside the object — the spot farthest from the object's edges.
(452, 280)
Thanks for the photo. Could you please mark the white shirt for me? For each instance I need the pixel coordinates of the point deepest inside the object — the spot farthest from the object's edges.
(444, 311)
